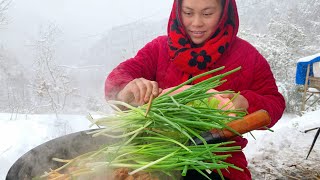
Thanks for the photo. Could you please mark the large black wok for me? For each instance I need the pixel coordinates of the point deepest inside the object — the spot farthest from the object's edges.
(38, 160)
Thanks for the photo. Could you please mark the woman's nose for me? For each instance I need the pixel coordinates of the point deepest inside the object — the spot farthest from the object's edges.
(197, 21)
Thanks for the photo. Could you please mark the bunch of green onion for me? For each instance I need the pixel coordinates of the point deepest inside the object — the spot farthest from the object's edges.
(163, 140)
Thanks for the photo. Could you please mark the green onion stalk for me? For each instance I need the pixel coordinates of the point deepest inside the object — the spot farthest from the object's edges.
(163, 139)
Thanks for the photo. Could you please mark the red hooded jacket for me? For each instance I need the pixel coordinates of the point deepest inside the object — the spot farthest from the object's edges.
(254, 81)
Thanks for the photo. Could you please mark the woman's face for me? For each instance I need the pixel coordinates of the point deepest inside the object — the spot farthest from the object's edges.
(200, 18)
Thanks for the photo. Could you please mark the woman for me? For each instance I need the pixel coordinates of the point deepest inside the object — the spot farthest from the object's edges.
(202, 35)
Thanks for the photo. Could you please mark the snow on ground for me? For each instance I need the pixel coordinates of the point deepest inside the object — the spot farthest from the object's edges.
(21, 133)
(273, 155)
(282, 154)
(308, 58)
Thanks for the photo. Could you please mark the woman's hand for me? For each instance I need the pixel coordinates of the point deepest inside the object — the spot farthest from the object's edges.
(138, 91)
(240, 102)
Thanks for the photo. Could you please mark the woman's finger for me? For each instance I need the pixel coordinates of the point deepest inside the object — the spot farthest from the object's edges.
(142, 90)
(230, 95)
(149, 91)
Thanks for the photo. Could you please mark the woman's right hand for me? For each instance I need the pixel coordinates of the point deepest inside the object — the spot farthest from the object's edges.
(138, 91)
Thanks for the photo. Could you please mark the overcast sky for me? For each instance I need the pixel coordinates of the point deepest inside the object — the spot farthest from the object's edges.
(87, 16)
(82, 22)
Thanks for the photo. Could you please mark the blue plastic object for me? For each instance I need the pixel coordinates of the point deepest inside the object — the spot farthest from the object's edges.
(302, 69)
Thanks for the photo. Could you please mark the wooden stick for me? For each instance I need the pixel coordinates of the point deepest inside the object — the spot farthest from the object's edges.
(149, 104)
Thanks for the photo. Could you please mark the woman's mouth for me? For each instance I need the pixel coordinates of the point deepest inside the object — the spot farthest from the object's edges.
(197, 34)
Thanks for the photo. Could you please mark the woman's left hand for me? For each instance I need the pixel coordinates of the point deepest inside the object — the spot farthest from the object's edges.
(240, 102)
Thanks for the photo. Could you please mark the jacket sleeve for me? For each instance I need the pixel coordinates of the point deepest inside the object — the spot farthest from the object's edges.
(143, 65)
(264, 93)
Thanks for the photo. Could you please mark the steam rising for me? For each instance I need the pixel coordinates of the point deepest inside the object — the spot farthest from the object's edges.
(38, 160)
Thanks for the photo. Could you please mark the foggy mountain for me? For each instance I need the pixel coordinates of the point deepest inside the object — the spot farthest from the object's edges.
(123, 42)
(89, 68)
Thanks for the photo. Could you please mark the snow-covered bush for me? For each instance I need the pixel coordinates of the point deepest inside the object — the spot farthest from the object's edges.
(292, 33)
(14, 86)
(4, 5)
(51, 85)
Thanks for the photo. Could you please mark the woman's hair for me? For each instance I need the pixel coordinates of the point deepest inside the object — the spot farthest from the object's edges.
(223, 2)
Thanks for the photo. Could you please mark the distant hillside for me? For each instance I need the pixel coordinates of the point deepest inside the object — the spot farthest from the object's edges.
(123, 42)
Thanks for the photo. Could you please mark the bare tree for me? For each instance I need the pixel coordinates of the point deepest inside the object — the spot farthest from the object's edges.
(4, 5)
(291, 34)
(51, 84)
(14, 91)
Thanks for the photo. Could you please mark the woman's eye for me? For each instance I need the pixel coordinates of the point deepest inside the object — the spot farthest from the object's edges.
(207, 14)
(187, 13)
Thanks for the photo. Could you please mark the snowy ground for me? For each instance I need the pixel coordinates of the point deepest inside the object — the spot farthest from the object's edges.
(22, 133)
(273, 155)
(282, 154)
